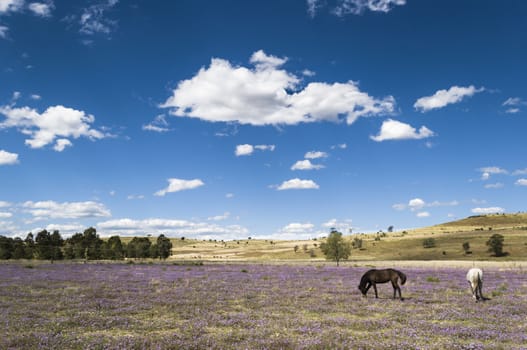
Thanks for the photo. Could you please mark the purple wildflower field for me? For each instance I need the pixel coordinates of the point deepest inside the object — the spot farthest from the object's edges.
(252, 306)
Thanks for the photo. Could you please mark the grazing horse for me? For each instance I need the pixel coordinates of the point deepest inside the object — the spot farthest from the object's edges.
(372, 277)
(475, 279)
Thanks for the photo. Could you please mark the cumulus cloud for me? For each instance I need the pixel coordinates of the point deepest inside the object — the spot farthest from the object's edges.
(417, 204)
(7, 158)
(306, 165)
(297, 184)
(171, 228)
(247, 149)
(489, 210)
(266, 94)
(487, 172)
(521, 182)
(41, 9)
(10, 6)
(176, 185)
(396, 130)
(44, 128)
(443, 98)
(68, 210)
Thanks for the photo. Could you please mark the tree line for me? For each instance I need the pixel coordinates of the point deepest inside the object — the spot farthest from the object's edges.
(87, 245)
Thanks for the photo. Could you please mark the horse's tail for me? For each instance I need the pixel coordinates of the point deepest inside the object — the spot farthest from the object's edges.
(402, 276)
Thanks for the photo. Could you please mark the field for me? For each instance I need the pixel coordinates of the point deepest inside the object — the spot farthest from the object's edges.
(255, 306)
(398, 245)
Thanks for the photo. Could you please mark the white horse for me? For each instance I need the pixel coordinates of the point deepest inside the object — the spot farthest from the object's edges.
(475, 279)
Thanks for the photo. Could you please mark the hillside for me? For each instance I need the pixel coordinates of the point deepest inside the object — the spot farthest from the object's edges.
(448, 239)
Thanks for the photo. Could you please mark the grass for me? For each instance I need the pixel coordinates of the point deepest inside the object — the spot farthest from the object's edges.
(253, 306)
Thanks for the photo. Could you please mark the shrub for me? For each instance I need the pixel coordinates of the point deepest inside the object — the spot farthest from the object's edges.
(429, 243)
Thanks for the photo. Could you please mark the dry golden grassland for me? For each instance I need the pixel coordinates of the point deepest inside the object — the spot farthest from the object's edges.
(398, 245)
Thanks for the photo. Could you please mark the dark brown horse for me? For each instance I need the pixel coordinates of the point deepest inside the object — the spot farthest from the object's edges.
(372, 277)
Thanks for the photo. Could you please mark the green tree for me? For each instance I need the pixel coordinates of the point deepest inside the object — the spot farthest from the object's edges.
(29, 246)
(48, 246)
(6, 247)
(164, 247)
(495, 244)
(335, 248)
(139, 248)
(113, 249)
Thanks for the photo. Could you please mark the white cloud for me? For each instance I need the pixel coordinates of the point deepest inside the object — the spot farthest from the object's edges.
(7, 158)
(487, 172)
(94, 19)
(296, 227)
(3, 31)
(423, 214)
(494, 186)
(10, 6)
(490, 210)
(4, 204)
(315, 155)
(297, 184)
(171, 228)
(159, 124)
(417, 204)
(68, 210)
(176, 185)
(246, 149)
(225, 216)
(41, 9)
(56, 121)
(5, 215)
(36, 97)
(396, 130)
(521, 182)
(357, 7)
(443, 98)
(519, 172)
(61, 144)
(258, 96)
(306, 165)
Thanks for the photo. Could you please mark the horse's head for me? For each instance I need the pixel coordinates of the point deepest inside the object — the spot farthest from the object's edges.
(362, 289)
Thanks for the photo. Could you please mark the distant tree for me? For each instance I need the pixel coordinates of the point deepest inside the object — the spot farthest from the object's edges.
(164, 247)
(335, 248)
(495, 244)
(113, 248)
(48, 246)
(429, 243)
(357, 243)
(29, 246)
(296, 248)
(390, 229)
(6, 248)
(466, 248)
(139, 248)
(18, 248)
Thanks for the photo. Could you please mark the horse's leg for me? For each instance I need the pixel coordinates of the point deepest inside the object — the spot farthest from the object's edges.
(479, 290)
(472, 290)
(375, 289)
(396, 289)
(367, 288)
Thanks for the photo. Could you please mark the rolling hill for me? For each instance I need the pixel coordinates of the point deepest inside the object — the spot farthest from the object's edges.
(447, 244)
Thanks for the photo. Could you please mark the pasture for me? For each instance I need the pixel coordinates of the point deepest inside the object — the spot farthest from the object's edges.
(255, 306)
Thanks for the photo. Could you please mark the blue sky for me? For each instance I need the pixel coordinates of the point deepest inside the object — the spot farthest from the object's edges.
(270, 119)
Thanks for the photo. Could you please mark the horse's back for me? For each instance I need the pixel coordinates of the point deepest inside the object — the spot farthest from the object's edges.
(474, 274)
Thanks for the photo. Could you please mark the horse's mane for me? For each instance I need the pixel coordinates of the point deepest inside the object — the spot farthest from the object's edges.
(402, 276)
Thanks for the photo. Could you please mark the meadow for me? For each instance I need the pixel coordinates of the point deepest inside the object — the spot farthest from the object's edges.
(254, 306)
